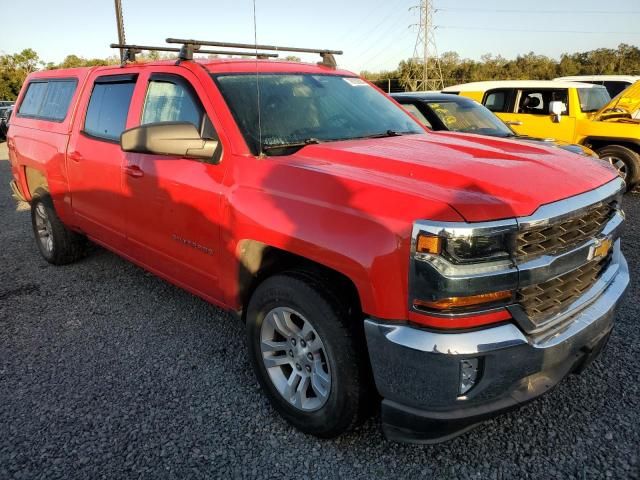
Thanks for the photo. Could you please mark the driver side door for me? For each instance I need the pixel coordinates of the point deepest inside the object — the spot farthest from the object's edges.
(174, 204)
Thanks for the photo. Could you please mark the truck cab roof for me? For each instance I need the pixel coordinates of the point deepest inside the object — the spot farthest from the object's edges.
(490, 85)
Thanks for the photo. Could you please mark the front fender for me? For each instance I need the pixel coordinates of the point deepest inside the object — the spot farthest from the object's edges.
(360, 231)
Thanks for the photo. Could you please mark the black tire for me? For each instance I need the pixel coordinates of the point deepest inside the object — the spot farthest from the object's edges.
(65, 245)
(344, 406)
(630, 159)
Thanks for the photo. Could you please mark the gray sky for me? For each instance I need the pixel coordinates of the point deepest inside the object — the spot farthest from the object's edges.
(374, 34)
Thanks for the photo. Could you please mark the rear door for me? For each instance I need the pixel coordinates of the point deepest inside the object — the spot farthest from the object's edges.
(173, 204)
(95, 160)
(501, 101)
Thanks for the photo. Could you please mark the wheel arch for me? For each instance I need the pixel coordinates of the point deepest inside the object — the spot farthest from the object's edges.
(36, 182)
(596, 143)
(259, 261)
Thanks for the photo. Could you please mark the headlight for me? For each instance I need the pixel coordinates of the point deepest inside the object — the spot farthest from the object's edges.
(477, 249)
(464, 243)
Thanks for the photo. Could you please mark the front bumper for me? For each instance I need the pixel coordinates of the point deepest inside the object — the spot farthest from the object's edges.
(418, 371)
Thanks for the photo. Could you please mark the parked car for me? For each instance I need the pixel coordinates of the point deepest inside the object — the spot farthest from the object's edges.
(5, 113)
(443, 111)
(572, 112)
(453, 276)
(614, 84)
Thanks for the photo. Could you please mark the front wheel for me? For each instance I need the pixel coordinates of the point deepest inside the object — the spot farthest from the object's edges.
(305, 355)
(624, 160)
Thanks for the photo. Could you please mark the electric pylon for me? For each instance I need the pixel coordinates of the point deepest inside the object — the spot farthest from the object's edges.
(424, 72)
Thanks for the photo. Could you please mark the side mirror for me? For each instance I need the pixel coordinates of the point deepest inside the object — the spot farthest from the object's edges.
(556, 109)
(181, 139)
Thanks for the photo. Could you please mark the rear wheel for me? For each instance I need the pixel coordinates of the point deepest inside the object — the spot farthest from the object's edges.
(624, 160)
(57, 244)
(305, 355)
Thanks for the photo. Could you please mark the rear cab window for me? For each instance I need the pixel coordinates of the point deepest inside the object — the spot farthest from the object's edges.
(48, 99)
(108, 107)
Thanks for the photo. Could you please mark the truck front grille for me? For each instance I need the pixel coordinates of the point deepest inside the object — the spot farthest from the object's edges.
(556, 237)
(544, 300)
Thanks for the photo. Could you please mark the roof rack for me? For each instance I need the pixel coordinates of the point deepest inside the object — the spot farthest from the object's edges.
(328, 59)
(184, 53)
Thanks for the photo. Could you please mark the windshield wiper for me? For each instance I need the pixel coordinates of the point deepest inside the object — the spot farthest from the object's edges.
(388, 133)
(303, 143)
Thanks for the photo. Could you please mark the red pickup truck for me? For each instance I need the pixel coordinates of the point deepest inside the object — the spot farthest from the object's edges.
(448, 276)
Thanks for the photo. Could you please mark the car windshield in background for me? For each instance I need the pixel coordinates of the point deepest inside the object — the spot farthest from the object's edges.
(469, 118)
(593, 99)
(299, 109)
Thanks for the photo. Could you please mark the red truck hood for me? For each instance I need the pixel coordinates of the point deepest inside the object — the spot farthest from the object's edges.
(482, 178)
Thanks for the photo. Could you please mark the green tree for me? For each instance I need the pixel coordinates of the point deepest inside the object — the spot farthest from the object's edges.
(13, 71)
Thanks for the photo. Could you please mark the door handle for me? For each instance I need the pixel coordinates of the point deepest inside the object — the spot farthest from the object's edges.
(75, 156)
(513, 122)
(133, 171)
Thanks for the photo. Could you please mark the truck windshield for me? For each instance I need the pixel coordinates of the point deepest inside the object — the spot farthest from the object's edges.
(299, 109)
(593, 99)
(469, 118)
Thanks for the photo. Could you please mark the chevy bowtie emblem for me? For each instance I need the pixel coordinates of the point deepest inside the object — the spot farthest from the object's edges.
(600, 249)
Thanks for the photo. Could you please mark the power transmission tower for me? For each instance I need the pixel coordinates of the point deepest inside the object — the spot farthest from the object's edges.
(424, 73)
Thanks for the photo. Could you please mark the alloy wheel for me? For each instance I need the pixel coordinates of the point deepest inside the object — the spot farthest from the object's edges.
(295, 359)
(43, 227)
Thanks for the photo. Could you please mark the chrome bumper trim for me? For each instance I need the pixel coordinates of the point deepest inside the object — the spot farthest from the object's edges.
(469, 343)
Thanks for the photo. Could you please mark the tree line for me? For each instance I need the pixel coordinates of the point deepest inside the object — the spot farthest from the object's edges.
(625, 59)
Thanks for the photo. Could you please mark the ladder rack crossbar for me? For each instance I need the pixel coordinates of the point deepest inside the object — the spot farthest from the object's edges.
(139, 48)
(253, 46)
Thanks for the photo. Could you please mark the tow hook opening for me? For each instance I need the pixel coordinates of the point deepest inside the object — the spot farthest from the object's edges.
(470, 373)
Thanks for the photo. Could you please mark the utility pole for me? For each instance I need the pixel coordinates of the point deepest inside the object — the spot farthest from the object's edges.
(120, 24)
(424, 72)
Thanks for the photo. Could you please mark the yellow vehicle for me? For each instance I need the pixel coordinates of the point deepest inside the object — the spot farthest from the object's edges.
(573, 112)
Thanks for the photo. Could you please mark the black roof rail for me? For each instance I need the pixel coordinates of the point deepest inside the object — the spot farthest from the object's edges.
(328, 59)
(184, 53)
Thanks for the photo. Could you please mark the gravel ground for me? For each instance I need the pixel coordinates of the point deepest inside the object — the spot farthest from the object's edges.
(109, 372)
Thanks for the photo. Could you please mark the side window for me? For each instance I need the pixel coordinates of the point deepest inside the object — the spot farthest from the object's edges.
(48, 100)
(498, 100)
(109, 106)
(412, 109)
(32, 101)
(56, 102)
(171, 99)
(531, 103)
(537, 102)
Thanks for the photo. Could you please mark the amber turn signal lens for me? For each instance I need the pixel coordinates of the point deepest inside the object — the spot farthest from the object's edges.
(429, 244)
(457, 302)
